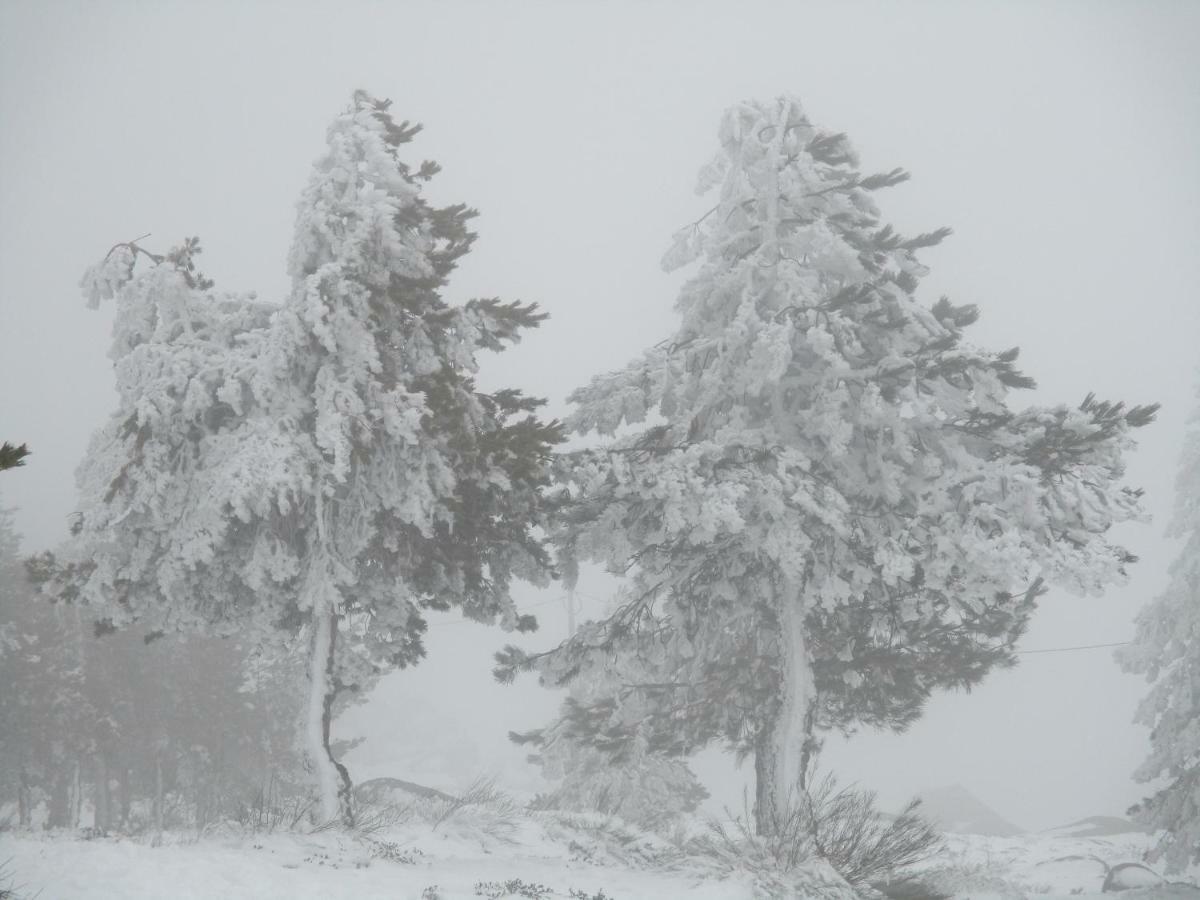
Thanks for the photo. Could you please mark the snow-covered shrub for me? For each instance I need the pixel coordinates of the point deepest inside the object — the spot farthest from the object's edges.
(482, 813)
(601, 840)
(9, 889)
(959, 874)
(513, 887)
(649, 790)
(783, 862)
(970, 881)
(393, 852)
(842, 827)
(847, 829)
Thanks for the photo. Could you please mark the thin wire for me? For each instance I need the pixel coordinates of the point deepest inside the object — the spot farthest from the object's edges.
(1068, 649)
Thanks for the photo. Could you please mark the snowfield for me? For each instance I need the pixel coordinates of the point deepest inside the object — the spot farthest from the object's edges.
(1054, 866)
(562, 857)
(330, 865)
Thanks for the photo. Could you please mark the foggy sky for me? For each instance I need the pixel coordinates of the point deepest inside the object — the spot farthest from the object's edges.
(1058, 140)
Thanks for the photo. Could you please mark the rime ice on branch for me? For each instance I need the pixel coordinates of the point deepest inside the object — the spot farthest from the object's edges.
(843, 510)
(325, 468)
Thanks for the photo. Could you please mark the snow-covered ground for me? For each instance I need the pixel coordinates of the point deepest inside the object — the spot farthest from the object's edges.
(315, 866)
(469, 857)
(1051, 865)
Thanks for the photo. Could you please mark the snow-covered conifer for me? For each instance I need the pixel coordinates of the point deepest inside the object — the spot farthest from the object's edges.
(1166, 649)
(840, 511)
(325, 468)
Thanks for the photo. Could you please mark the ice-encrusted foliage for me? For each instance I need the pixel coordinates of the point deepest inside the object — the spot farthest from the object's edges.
(842, 510)
(325, 466)
(1166, 649)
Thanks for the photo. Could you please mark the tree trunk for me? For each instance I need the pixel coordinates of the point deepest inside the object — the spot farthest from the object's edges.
(332, 778)
(103, 814)
(764, 775)
(24, 801)
(784, 745)
(60, 790)
(124, 797)
(158, 796)
(76, 794)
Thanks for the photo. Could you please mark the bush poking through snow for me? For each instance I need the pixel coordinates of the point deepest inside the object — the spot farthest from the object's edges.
(960, 879)
(848, 830)
(482, 794)
(607, 840)
(513, 887)
(393, 852)
(9, 889)
(482, 812)
(783, 865)
(842, 827)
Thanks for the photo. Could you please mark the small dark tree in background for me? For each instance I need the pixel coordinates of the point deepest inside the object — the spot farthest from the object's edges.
(11, 457)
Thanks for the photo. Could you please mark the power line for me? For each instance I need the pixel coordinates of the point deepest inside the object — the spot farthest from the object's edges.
(1068, 649)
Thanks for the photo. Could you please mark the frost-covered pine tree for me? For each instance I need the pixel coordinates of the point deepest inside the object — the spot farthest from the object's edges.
(324, 469)
(1166, 649)
(839, 511)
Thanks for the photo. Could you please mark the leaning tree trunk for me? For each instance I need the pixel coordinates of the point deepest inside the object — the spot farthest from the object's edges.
(332, 778)
(784, 743)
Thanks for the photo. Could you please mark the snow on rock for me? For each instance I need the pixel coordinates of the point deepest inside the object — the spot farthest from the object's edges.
(1125, 876)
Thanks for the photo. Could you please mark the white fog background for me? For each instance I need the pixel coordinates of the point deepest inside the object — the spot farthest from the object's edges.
(1059, 140)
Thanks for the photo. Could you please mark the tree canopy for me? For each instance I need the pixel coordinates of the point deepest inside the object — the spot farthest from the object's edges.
(839, 508)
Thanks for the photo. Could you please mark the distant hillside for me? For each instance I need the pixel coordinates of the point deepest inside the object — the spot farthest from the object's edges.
(957, 810)
(1095, 826)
